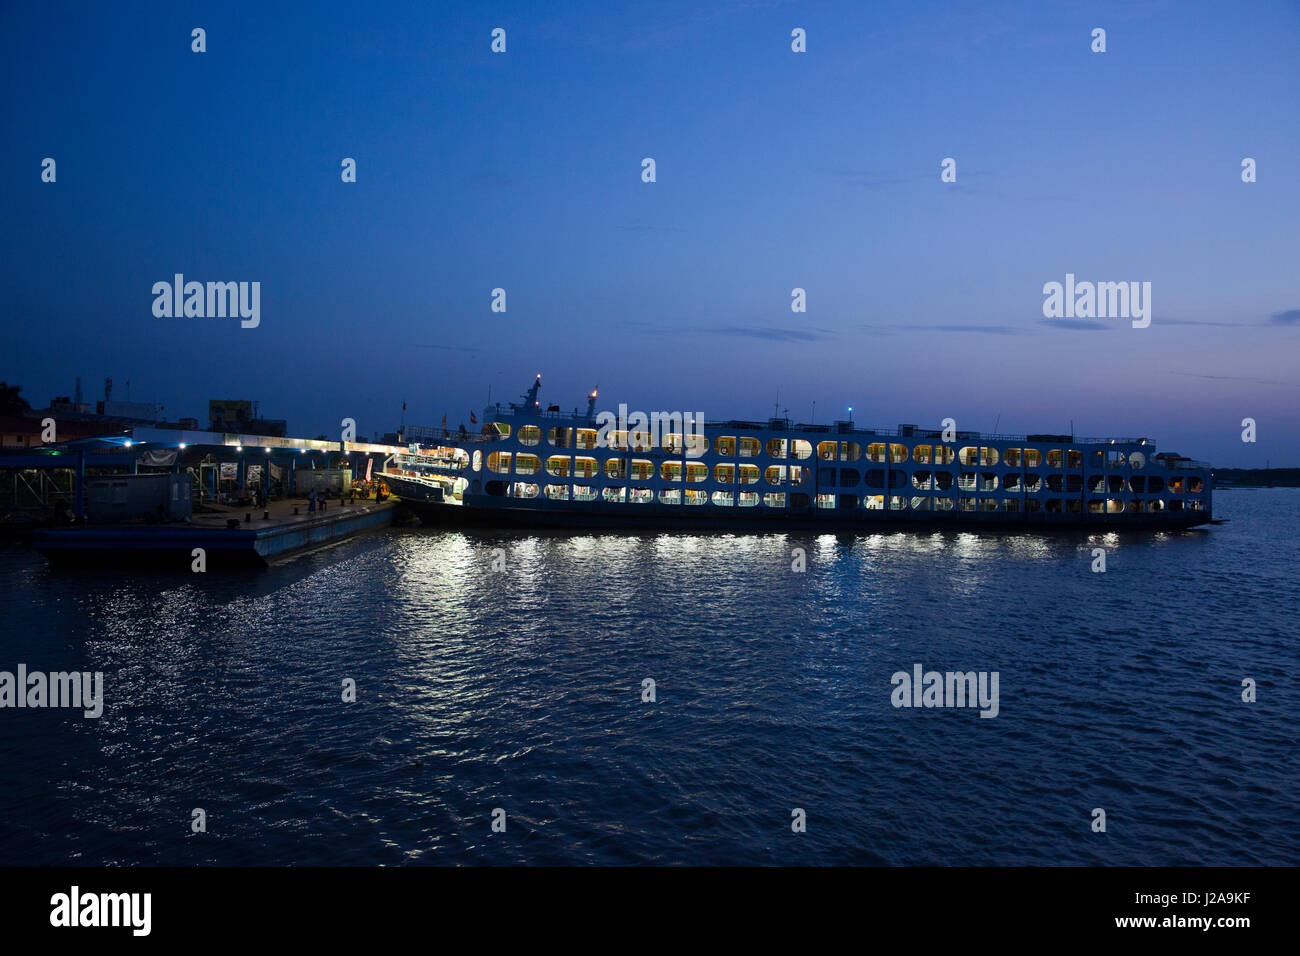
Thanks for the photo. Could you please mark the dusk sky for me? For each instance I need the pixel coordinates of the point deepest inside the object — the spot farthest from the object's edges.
(774, 170)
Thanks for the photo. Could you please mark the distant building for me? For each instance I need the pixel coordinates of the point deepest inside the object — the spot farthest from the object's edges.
(239, 416)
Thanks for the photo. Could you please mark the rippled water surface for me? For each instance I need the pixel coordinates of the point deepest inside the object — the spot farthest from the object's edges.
(522, 690)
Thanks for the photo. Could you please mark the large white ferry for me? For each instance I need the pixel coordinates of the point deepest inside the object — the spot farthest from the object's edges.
(534, 467)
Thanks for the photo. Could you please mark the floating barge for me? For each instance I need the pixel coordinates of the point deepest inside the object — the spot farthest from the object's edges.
(227, 539)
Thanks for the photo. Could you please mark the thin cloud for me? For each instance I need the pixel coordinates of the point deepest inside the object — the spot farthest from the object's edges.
(1235, 378)
(1078, 325)
(1289, 317)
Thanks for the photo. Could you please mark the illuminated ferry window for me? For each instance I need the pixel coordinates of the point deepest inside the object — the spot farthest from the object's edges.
(557, 492)
(876, 451)
(873, 502)
(670, 496)
(1156, 505)
(966, 481)
(897, 503)
(826, 452)
(617, 440)
(614, 493)
(775, 475)
(697, 446)
(586, 438)
(1011, 457)
(921, 454)
(988, 456)
(615, 468)
(799, 476)
(1114, 506)
(1055, 458)
(897, 453)
(672, 443)
(747, 499)
(560, 436)
(1011, 482)
(527, 464)
(671, 471)
(499, 462)
(724, 474)
(696, 497)
(922, 481)
(585, 468)
(478, 461)
(749, 447)
(1033, 484)
(641, 496)
(801, 449)
(774, 499)
(850, 451)
(969, 455)
(826, 501)
(1096, 484)
(524, 489)
(584, 493)
(988, 481)
(1011, 504)
(943, 455)
(725, 499)
(1115, 459)
(748, 474)
(529, 435)
(920, 503)
(943, 504)
(639, 441)
(776, 448)
(1195, 485)
(943, 480)
(642, 470)
(558, 465)
(1032, 458)
(988, 504)
(1074, 458)
(697, 472)
(725, 445)
(965, 503)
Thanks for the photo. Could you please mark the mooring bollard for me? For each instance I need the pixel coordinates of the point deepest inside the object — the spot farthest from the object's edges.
(266, 515)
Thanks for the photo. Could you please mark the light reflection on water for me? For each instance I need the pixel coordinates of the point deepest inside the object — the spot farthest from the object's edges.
(522, 688)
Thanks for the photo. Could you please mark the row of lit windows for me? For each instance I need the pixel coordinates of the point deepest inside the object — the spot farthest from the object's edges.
(878, 452)
(690, 497)
(727, 473)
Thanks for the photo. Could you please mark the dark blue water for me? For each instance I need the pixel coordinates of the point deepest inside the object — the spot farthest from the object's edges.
(522, 690)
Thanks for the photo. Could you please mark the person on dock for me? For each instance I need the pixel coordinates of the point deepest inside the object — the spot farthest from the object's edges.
(311, 502)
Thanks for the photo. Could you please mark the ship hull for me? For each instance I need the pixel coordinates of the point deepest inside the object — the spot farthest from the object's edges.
(652, 518)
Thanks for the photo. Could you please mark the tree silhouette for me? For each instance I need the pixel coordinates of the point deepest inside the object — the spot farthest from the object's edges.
(11, 403)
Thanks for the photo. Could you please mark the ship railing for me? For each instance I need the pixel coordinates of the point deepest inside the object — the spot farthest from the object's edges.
(1185, 464)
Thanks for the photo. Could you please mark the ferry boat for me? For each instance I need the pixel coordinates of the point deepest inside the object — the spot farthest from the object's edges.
(530, 467)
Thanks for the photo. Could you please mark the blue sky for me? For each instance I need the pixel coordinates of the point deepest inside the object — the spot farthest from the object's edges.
(775, 170)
